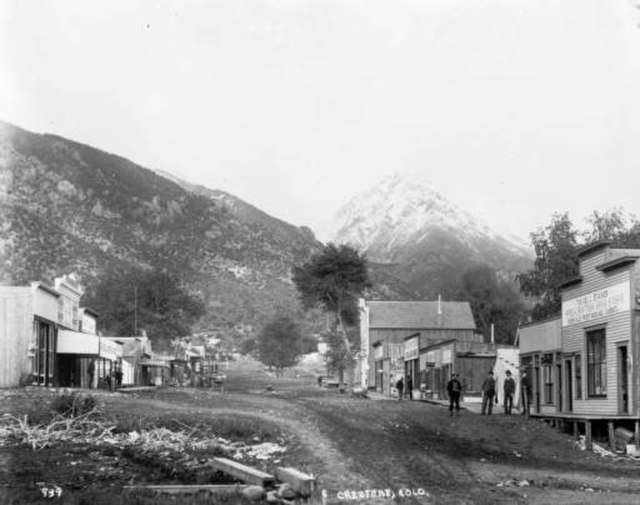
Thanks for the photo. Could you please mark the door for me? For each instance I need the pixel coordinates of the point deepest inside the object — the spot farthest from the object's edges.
(623, 380)
(569, 383)
(536, 389)
(560, 390)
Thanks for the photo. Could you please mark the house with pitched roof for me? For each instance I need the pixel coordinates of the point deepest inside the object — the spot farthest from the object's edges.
(392, 333)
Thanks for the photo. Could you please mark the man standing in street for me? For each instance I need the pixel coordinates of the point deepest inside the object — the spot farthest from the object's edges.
(409, 387)
(509, 391)
(488, 393)
(454, 389)
(400, 387)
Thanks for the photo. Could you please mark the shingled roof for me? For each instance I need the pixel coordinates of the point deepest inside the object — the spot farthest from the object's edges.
(420, 315)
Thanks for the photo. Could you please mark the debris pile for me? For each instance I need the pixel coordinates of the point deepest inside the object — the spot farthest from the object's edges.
(85, 429)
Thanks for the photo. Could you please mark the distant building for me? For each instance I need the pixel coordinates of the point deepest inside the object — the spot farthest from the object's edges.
(392, 334)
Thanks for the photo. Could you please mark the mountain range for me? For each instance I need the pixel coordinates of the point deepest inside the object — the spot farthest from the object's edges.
(69, 207)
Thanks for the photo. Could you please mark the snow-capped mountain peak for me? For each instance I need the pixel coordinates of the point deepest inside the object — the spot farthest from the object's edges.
(403, 212)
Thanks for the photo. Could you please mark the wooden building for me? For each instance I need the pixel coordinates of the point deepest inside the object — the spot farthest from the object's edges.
(472, 359)
(541, 357)
(589, 375)
(40, 338)
(28, 331)
(391, 334)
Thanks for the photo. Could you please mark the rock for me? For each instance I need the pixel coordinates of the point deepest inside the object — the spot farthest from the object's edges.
(254, 493)
(286, 492)
(272, 497)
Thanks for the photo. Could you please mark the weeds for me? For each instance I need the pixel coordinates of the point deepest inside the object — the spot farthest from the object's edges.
(74, 405)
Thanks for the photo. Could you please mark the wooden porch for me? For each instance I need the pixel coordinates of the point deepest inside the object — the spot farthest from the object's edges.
(562, 420)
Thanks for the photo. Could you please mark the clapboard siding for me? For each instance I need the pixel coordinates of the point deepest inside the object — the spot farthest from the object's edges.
(618, 328)
(398, 335)
(541, 336)
(16, 332)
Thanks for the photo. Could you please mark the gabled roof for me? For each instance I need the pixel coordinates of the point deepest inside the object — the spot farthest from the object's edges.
(420, 315)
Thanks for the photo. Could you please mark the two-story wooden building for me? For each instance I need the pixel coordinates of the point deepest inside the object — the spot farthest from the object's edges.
(393, 332)
(588, 373)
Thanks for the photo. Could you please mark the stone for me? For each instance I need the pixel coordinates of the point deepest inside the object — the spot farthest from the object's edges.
(254, 493)
(272, 497)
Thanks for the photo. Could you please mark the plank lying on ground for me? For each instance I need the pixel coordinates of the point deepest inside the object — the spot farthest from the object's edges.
(184, 489)
(243, 472)
(302, 483)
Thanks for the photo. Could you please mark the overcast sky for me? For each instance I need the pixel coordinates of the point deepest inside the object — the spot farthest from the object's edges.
(514, 109)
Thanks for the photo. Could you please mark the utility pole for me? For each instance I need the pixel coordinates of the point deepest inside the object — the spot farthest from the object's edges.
(135, 310)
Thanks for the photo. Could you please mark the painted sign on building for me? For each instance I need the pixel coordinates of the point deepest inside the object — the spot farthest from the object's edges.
(110, 350)
(411, 349)
(597, 304)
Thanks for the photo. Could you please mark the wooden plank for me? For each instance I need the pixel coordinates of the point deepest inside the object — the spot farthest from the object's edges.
(190, 489)
(243, 472)
(304, 484)
(637, 433)
(587, 436)
(576, 430)
(612, 436)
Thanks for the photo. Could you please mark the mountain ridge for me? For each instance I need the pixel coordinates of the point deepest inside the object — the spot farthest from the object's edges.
(69, 207)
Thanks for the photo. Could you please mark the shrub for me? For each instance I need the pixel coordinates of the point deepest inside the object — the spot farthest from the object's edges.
(74, 405)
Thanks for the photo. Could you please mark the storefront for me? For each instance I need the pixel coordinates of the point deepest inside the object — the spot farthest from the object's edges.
(411, 359)
(75, 353)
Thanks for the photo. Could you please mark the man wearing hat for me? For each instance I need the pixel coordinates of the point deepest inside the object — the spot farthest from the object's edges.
(488, 394)
(454, 388)
(509, 391)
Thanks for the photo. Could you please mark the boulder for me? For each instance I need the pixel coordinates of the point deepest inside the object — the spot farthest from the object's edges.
(254, 493)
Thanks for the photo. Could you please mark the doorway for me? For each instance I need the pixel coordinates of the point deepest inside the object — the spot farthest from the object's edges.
(623, 379)
(569, 382)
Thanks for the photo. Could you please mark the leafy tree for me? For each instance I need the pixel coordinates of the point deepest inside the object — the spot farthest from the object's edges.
(280, 343)
(615, 226)
(493, 301)
(130, 299)
(334, 278)
(556, 261)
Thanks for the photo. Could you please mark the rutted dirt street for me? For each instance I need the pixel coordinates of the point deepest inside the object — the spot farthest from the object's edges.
(413, 451)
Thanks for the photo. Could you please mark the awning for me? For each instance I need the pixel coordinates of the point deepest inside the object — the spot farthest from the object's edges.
(74, 342)
(153, 362)
(110, 349)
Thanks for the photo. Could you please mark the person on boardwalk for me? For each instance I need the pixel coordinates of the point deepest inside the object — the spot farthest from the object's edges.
(118, 377)
(409, 387)
(400, 387)
(509, 389)
(525, 386)
(454, 388)
(488, 393)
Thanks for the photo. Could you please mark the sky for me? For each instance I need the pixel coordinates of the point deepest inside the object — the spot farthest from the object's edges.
(513, 109)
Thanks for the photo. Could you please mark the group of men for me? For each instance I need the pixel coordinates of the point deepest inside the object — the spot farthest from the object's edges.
(489, 395)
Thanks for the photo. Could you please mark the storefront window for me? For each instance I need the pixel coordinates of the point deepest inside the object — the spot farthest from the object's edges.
(547, 377)
(578, 368)
(596, 363)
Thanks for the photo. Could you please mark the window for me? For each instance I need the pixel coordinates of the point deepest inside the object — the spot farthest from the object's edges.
(596, 363)
(578, 368)
(547, 377)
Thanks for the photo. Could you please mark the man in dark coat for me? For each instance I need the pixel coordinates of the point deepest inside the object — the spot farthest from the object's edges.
(400, 388)
(409, 387)
(509, 389)
(525, 386)
(454, 388)
(488, 393)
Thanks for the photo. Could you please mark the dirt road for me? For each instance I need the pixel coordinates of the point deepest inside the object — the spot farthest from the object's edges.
(414, 449)
(384, 451)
